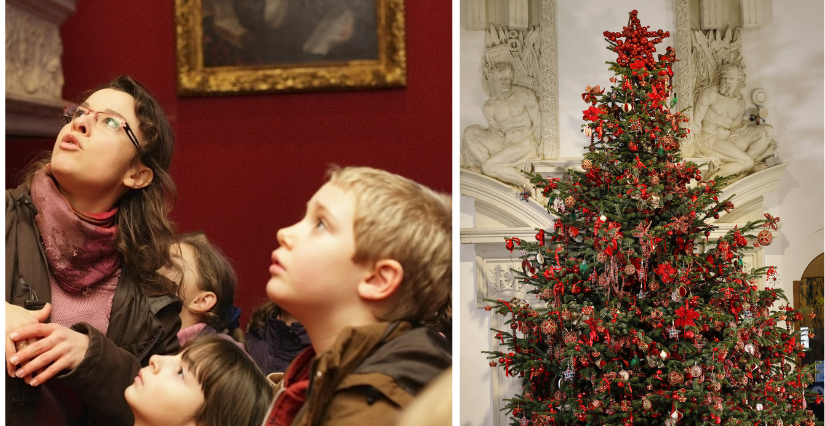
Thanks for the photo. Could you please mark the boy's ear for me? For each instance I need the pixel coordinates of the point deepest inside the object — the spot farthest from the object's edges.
(139, 177)
(203, 302)
(383, 281)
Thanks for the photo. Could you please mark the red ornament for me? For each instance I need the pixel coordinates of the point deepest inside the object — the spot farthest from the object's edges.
(675, 377)
(549, 327)
(765, 238)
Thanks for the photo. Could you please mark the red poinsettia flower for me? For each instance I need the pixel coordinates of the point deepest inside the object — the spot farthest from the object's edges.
(591, 114)
(686, 316)
(653, 95)
(636, 65)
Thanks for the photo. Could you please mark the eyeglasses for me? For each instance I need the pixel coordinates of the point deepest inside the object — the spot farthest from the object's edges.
(105, 119)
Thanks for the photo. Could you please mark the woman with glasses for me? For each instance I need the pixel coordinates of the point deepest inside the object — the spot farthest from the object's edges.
(85, 236)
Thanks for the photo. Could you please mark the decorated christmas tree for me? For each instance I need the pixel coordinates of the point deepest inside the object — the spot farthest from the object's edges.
(645, 320)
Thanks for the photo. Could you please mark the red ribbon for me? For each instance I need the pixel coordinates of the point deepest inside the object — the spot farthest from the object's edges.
(594, 336)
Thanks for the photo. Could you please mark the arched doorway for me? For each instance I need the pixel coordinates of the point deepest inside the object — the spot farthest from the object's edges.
(808, 293)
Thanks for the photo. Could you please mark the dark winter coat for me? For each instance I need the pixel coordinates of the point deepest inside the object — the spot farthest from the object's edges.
(277, 344)
(370, 374)
(140, 326)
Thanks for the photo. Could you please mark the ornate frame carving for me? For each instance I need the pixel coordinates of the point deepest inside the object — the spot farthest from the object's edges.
(194, 79)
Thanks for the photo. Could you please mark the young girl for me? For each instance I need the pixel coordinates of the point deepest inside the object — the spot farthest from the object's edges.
(275, 338)
(85, 236)
(206, 286)
(211, 382)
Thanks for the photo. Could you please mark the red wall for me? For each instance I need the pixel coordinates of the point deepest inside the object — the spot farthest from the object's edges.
(246, 165)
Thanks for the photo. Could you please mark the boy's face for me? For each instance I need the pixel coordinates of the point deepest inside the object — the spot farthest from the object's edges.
(312, 270)
(165, 392)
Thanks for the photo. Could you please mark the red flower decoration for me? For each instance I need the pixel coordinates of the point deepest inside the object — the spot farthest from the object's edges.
(591, 114)
(686, 316)
(653, 95)
(636, 65)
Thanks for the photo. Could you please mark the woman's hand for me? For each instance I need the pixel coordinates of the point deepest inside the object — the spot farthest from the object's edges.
(17, 317)
(57, 348)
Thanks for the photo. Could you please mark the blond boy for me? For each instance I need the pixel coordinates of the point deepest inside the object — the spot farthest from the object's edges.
(369, 260)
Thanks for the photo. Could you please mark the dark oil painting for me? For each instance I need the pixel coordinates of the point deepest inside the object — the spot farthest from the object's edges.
(239, 33)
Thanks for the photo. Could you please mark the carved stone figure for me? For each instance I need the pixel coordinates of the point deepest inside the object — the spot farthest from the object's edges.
(735, 146)
(510, 143)
(33, 50)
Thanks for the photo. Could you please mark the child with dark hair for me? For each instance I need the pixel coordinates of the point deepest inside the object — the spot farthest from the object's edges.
(442, 320)
(274, 338)
(206, 285)
(212, 382)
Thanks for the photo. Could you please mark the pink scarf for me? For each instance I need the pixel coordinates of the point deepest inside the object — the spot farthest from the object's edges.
(80, 247)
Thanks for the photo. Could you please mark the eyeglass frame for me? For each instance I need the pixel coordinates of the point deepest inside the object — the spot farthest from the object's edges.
(125, 126)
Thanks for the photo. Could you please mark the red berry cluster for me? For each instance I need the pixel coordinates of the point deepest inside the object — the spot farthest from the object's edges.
(639, 43)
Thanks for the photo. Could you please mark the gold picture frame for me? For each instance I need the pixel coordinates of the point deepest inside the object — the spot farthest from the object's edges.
(226, 68)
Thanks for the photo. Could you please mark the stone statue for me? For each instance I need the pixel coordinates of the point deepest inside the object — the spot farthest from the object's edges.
(510, 143)
(735, 146)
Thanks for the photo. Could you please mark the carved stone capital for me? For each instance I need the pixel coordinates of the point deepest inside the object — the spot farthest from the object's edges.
(34, 75)
(476, 17)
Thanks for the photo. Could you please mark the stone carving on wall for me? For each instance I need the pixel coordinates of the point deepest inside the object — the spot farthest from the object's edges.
(34, 75)
(720, 128)
(510, 79)
(549, 83)
(33, 50)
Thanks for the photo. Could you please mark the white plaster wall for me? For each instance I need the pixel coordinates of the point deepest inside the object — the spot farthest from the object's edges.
(474, 336)
(785, 57)
(583, 53)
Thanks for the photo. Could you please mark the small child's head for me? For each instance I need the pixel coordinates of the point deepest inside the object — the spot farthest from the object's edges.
(442, 320)
(207, 281)
(211, 382)
(381, 234)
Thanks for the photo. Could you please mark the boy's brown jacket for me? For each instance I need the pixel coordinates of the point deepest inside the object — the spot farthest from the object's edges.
(140, 326)
(371, 373)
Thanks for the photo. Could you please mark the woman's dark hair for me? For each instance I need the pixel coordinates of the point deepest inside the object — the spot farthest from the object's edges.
(145, 232)
(235, 391)
(261, 314)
